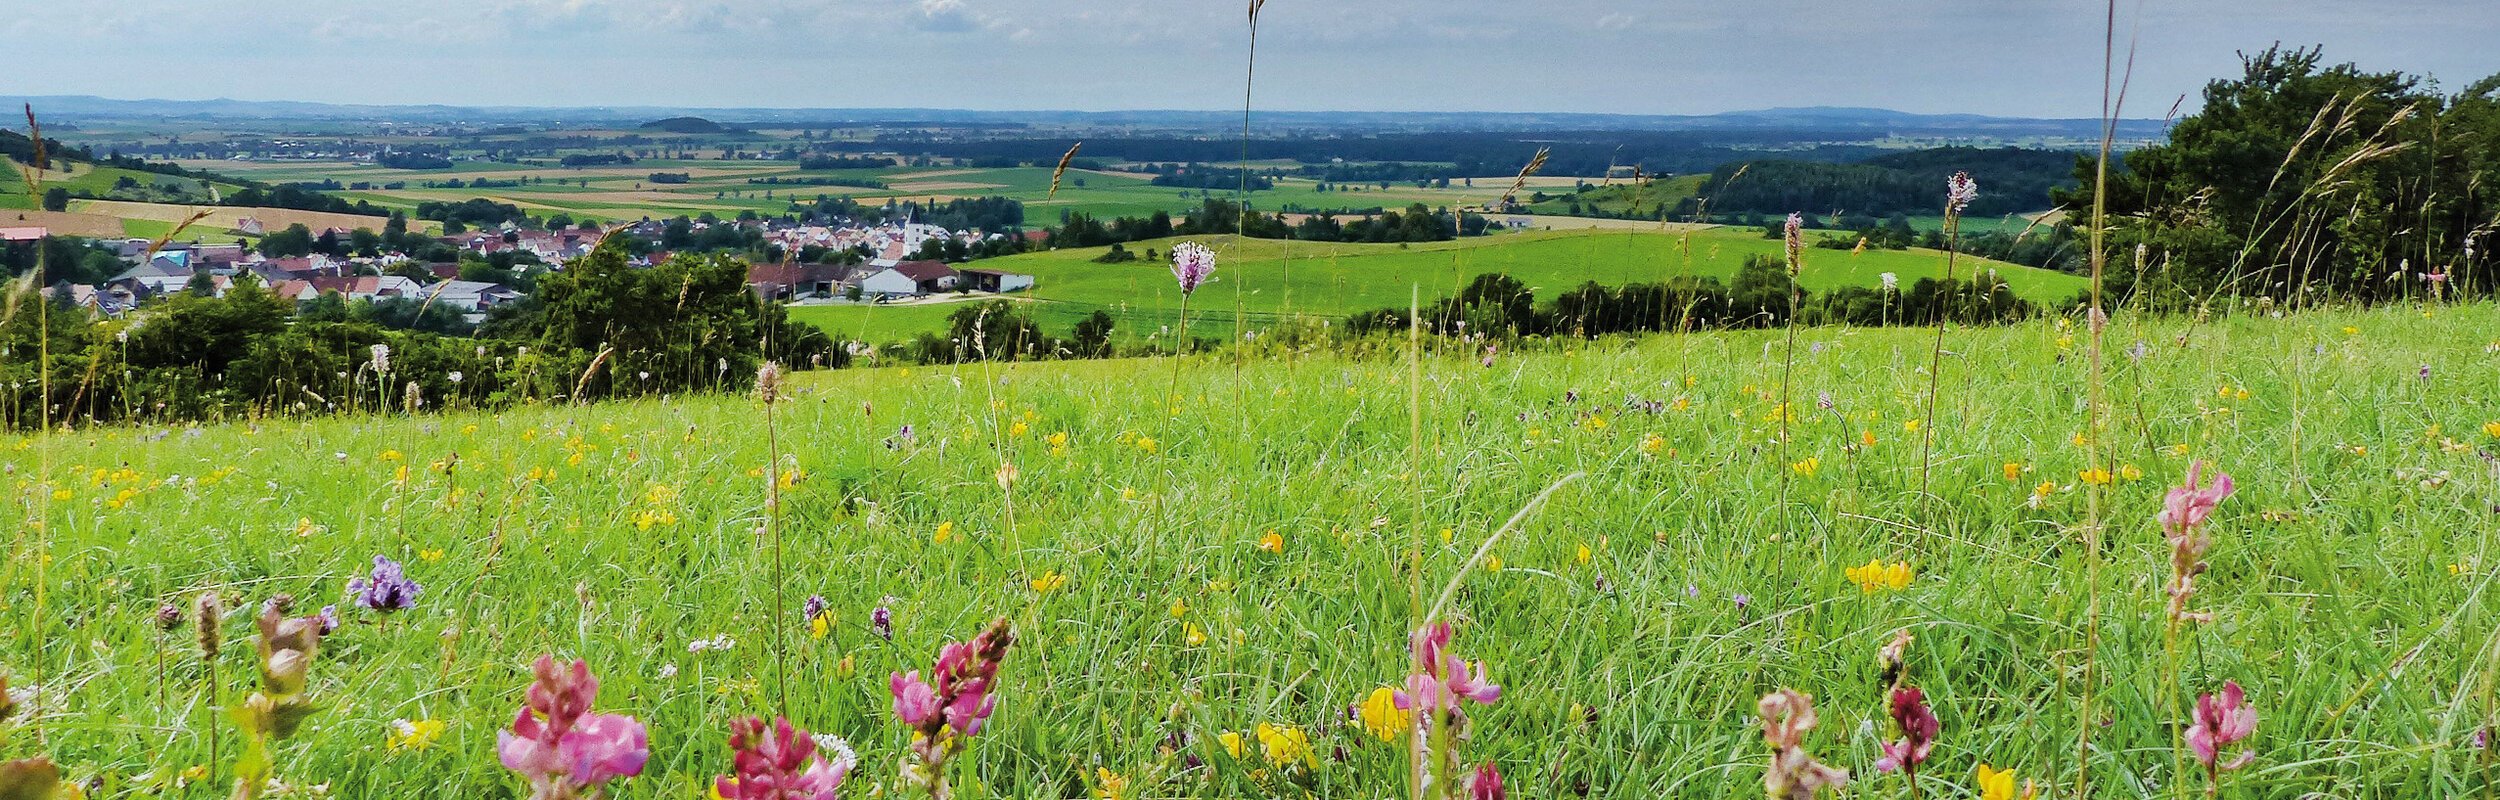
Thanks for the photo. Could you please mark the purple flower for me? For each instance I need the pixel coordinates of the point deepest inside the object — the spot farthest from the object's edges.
(1742, 600)
(1486, 784)
(1823, 400)
(813, 608)
(329, 619)
(387, 590)
(1959, 190)
(882, 622)
(1192, 264)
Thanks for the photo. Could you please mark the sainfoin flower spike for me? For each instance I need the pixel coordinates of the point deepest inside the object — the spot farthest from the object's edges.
(559, 746)
(2221, 721)
(949, 707)
(1787, 716)
(1919, 728)
(781, 762)
(1192, 265)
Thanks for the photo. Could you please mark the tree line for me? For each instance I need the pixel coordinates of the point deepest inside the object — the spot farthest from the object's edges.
(598, 329)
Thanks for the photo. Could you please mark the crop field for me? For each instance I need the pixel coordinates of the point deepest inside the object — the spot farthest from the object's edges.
(1211, 567)
(1272, 279)
(724, 188)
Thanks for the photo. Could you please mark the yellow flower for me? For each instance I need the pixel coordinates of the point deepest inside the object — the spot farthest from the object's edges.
(1807, 467)
(430, 556)
(1146, 444)
(1192, 634)
(60, 494)
(1652, 443)
(1595, 423)
(1019, 429)
(1382, 717)
(2129, 472)
(1866, 438)
(1286, 746)
(1110, 785)
(388, 455)
(2045, 489)
(2096, 476)
(304, 527)
(418, 735)
(1231, 740)
(2351, 331)
(2492, 428)
(1180, 608)
(1998, 784)
(820, 625)
(1909, 426)
(1446, 534)
(1272, 542)
(1584, 554)
(2014, 471)
(1050, 581)
(1492, 563)
(1876, 575)
(945, 531)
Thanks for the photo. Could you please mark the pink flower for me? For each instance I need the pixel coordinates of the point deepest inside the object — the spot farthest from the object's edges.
(2186, 507)
(559, 746)
(2221, 722)
(915, 702)
(1192, 263)
(1794, 233)
(1440, 679)
(1486, 784)
(781, 762)
(1919, 728)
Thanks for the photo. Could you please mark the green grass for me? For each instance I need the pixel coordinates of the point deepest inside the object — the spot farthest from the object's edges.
(1275, 279)
(1608, 621)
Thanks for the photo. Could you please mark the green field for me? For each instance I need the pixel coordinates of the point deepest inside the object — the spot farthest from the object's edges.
(1271, 279)
(1694, 563)
(625, 192)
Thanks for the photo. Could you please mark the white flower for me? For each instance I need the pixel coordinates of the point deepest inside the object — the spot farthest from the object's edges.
(382, 358)
(455, 376)
(1892, 283)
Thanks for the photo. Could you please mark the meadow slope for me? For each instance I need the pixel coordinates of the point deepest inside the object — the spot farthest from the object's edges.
(1270, 280)
(1632, 621)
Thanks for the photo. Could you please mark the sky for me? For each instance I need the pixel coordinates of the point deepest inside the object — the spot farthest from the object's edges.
(2035, 58)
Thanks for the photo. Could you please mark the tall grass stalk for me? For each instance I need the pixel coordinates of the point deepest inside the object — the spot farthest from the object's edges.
(2096, 322)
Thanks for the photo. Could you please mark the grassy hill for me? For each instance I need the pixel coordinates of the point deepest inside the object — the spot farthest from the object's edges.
(1267, 279)
(1632, 621)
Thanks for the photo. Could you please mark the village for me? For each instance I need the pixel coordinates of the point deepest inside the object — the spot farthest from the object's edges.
(882, 265)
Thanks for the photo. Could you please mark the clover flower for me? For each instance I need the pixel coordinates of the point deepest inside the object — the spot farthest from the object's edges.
(1486, 784)
(388, 589)
(559, 746)
(1794, 235)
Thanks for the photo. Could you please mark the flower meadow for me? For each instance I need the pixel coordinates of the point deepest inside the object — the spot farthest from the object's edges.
(1543, 570)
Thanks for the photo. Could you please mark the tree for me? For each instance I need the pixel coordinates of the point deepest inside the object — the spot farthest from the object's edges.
(1093, 336)
(56, 199)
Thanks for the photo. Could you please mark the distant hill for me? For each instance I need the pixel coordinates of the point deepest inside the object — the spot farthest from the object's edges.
(686, 125)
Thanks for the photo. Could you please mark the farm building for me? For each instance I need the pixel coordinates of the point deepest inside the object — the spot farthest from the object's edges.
(911, 279)
(791, 281)
(996, 280)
